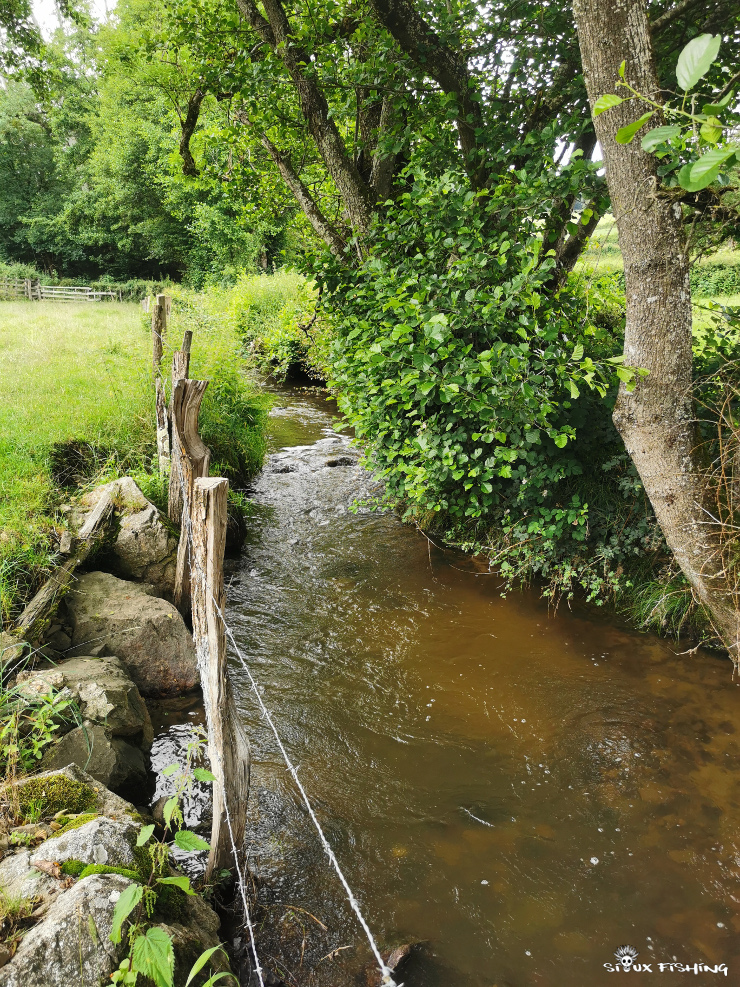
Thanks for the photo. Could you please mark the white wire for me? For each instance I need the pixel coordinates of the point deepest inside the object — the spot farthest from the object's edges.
(386, 972)
(240, 876)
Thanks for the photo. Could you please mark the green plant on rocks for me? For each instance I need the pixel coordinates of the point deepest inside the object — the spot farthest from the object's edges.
(151, 952)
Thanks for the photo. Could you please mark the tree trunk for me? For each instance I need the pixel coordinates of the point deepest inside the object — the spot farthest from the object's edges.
(656, 420)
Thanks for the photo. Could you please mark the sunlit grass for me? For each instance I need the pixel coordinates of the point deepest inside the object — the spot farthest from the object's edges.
(67, 371)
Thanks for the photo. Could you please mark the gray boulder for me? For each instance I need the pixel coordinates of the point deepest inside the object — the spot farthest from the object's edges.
(110, 760)
(146, 633)
(100, 841)
(72, 944)
(102, 687)
(20, 879)
(146, 546)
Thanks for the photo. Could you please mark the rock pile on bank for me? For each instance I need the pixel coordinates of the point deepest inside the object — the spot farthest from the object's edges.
(75, 875)
(115, 639)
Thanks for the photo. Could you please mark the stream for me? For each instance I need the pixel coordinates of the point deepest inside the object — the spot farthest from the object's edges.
(517, 792)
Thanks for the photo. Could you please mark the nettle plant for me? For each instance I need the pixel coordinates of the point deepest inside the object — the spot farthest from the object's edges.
(151, 950)
(695, 148)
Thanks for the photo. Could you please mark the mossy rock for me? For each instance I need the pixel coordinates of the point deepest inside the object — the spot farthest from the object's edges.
(49, 795)
(132, 875)
(86, 817)
(171, 904)
(73, 868)
(143, 860)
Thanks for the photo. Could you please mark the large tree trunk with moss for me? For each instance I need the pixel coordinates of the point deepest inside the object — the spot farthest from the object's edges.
(656, 420)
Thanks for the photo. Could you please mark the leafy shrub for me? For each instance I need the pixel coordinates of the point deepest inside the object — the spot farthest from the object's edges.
(710, 279)
(483, 391)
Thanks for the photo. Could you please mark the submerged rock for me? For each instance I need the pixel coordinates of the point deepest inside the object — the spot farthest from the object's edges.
(146, 633)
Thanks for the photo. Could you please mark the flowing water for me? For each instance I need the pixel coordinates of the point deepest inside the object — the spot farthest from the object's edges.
(519, 792)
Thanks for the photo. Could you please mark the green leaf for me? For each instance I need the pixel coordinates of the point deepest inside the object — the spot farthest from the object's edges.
(202, 775)
(606, 103)
(574, 392)
(711, 109)
(180, 881)
(561, 441)
(170, 769)
(622, 68)
(711, 130)
(219, 976)
(577, 352)
(186, 840)
(169, 809)
(201, 962)
(129, 899)
(696, 176)
(659, 135)
(696, 59)
(625, 134)
(144, 835)
(154, 956)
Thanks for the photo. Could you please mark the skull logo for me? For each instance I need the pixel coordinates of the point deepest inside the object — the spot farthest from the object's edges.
(626, 956)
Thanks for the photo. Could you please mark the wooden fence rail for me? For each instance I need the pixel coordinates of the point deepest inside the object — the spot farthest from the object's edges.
(33, 290)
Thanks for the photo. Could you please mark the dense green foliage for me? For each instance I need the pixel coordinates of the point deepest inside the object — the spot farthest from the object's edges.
(90, 182)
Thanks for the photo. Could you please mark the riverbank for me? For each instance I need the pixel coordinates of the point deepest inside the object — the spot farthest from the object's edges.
(77, 678)
(77, 408)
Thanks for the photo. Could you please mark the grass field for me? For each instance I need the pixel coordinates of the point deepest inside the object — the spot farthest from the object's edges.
(67, 372)
(604, 257)
(82, 373)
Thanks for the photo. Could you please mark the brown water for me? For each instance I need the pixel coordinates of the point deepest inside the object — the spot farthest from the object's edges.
(519, 791)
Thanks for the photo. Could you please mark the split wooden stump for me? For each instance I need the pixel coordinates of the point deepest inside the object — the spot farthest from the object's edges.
(227, 743)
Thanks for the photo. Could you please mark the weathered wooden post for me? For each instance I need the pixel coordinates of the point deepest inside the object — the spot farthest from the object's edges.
(180, 371)
(159, 330)
(193, 462)
(228, 746)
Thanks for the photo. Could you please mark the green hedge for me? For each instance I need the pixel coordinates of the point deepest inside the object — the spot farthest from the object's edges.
(707, 280)
(715, 279)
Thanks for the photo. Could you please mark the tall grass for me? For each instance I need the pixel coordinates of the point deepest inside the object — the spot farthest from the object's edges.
(81, 373)
(67, 372)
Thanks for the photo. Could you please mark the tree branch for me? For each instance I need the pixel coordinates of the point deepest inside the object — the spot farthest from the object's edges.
(668, 16)
(356, 194)
(188, 127)
(417, 39)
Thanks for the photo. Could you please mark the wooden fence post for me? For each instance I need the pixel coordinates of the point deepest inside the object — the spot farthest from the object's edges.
(159, 330)
(180, 371)
(228, 746)
(193, 462)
